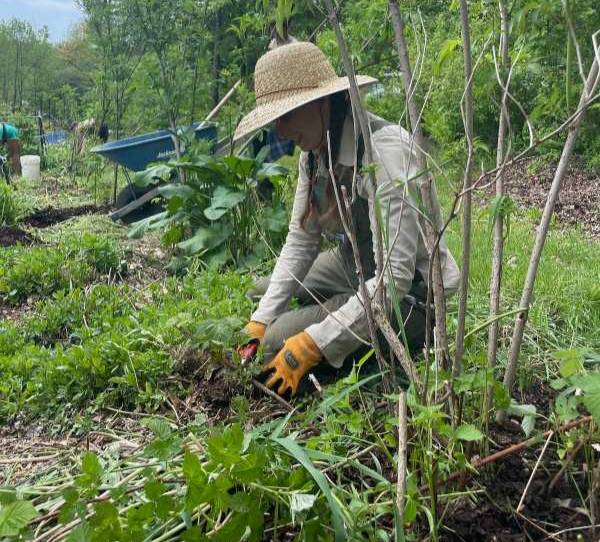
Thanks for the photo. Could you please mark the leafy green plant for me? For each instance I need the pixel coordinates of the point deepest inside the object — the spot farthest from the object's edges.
(8, 205)
(45, 270)
(578, 384)
(217, 212)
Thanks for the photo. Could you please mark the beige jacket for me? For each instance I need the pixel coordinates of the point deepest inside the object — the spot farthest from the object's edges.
(395, 165)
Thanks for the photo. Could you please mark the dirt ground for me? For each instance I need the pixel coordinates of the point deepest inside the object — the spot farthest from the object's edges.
(51, 215)
(10, 235)
(578, 200)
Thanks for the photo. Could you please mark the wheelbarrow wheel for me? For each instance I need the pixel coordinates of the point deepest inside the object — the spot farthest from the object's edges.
(131, 193)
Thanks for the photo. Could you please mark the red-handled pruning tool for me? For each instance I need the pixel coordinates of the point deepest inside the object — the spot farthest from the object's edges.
(248, 351)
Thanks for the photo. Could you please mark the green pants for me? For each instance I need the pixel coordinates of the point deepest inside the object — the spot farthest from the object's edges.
(330, 280)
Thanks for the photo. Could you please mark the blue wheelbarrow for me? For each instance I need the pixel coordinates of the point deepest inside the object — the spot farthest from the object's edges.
(136, 153)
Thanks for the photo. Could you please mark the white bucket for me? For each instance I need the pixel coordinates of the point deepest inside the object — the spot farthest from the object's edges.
(30, 166)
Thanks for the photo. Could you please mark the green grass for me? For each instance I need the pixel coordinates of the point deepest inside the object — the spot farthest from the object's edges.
(87, 345)
(565, 312)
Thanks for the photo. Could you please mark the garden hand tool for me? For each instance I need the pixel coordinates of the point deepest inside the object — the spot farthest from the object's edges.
(256, 331)
(298, 355)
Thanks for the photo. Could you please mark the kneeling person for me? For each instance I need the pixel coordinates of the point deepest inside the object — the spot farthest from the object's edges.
(297, 89)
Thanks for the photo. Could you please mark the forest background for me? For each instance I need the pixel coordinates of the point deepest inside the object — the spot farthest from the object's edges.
(146, 65)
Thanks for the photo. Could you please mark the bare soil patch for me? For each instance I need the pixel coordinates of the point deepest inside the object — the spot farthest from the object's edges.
(578, 200)
(52, 215)
(10, 236)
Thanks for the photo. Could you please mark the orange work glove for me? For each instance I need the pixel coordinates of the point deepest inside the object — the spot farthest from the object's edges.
(298, 355)
(256, 330)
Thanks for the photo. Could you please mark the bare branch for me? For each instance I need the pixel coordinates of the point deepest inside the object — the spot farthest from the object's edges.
(542, 231)
(427, 193)
(466, 222)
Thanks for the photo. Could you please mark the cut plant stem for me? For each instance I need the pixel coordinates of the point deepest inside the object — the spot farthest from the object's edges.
(402, 451)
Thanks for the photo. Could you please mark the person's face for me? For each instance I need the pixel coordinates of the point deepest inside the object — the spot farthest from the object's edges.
(306, 126)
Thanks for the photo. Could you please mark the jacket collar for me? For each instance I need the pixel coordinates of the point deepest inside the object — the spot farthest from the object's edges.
(347, 152)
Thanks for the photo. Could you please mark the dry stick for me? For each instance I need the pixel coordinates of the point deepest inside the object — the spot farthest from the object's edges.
(347, 219)
(360, 113)
(402, 456)
(397, 347)
(510, 450)
(565, 466)
(362, 285)
(498, 250)
(542, 231)
(537, 464)
(466, 202)
(259, 385)
(428, 196)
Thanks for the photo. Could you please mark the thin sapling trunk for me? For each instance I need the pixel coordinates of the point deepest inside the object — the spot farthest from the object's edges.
(498, 249)
(542, 231)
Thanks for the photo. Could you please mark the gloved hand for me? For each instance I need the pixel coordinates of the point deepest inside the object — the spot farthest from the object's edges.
(298, 355)
(256, 331)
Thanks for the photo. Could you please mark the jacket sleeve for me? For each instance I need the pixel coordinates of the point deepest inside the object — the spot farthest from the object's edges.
(297, 256)
(395, 167)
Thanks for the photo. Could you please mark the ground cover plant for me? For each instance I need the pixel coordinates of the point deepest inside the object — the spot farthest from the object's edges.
(125, 410)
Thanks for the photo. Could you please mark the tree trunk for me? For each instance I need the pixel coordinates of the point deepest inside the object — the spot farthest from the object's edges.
(427, 189)
(466, 218)
(360, 114)
(542, 231)
(498, 250)
(216, 64)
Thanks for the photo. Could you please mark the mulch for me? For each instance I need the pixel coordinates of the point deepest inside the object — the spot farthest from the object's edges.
(578, 200)
(49, 216)
(10, 236)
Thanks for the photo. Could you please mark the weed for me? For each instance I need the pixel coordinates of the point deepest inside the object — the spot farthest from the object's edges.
(41, 271)
(8, 205)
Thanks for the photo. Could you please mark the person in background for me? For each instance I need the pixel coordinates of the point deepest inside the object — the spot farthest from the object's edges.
(9, 136)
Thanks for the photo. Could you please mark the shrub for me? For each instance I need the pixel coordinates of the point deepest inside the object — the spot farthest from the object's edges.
(45, 270)
(8, 205)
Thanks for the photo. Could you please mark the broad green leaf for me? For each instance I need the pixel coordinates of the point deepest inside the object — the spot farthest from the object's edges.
(468, 432)
(222, 201)
(566, 407)
(159, 427)
(206, 239)
(91, 471)
(152, 175)
(590, 385)
(154, 489)
(591, 400)
(181, 190)
(276, 219)
(528, 413)
(192, 468)
(271, 171)
(15, 516)
(447, 51)
(570, 362)
(7, 496)
(82, 533)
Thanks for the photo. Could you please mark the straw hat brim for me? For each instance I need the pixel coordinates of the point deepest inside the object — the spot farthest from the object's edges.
(266, 113)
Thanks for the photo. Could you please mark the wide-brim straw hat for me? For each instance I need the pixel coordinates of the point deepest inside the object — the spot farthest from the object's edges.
(289, 77)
